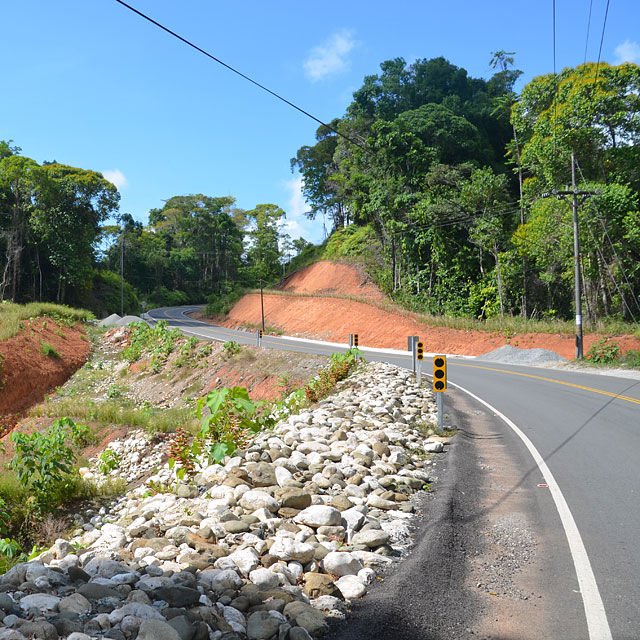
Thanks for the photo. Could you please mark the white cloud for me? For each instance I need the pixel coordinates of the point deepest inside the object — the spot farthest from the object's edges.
(116, 177)
(331, 56)
(628, 51)
(297, 224)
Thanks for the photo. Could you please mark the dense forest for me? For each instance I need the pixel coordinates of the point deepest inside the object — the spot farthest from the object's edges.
(450, 178)
(453, 174)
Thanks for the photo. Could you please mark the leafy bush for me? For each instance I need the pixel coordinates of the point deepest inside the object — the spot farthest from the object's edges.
(158, 341)
(105, 295)
(108, 461)
(630, 359)
(604, 351)
(231, 348)
(43, 463)
(340, 366)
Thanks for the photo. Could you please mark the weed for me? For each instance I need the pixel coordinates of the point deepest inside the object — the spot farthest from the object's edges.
(114, 391)
(48, 350)
(108, 461)
(231, 349)
(604, 351)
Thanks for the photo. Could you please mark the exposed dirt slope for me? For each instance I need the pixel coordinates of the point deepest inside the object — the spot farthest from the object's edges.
(334, 319)
(328, 277)
(27, 374)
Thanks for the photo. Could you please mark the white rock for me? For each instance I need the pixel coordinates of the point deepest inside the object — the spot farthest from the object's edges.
(287, 549)
(235, 619)
(264, 578)
(253, 500)
(319, 516)
(366, 575)
(341, 563)
(283, 476)
(245, 559)
(351, 587)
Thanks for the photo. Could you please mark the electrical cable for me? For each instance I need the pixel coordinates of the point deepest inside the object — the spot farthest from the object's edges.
(586, 44)
(242, 75)
(604, 26)
(615, 253)
(555, 80)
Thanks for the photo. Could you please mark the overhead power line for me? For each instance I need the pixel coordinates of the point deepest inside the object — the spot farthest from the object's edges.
(586, 44)
(242, 75)
(604, 26)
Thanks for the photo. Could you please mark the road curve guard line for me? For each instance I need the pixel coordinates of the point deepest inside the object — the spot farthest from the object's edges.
(597, 623)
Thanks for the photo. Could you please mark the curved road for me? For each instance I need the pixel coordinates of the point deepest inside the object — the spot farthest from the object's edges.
(585, 430)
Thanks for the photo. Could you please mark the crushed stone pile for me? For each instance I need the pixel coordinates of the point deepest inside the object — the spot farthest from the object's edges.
(508, 354)
(110, 321)
(264, 546)
(115, 320)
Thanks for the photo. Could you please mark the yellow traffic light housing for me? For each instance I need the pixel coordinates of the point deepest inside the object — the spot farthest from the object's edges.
(260, 333)
(419, 351)
(440, 373)
(355, 339)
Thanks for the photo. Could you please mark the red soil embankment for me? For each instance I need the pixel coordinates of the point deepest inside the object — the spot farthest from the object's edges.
(27, 374)
(333, 319)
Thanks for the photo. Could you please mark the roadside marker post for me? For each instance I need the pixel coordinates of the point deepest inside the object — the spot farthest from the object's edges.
(411, 347)
(419, 358)
(259, 337)
(439, 384)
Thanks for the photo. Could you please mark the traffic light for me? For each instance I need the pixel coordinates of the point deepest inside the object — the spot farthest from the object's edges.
(439, 373)
(419, 351)
(260, 334)
(355, 339)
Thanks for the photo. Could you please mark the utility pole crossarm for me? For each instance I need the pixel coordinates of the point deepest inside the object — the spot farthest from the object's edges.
(577, 197)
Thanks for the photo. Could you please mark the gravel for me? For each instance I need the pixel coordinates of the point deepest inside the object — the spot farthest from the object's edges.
(509, 354)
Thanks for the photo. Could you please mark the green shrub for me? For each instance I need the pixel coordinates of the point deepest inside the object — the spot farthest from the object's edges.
(223, 303)
(48, 350)
(630, 359)
(43, 463)
(604, 351)
(108, 461)
(231, 348)
(157, 341)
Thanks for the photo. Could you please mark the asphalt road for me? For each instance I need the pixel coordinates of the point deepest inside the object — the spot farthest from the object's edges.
(583, 432)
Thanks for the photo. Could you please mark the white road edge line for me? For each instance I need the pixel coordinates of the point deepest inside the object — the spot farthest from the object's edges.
(597, 623)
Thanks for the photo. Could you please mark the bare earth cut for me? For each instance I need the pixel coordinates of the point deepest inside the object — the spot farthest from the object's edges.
(333, 319)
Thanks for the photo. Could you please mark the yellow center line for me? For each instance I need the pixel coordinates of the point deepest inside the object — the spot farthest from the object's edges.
(566, 384)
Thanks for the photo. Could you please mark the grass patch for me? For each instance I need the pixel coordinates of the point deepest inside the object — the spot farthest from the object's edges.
(110, 412)
(13, 316)
(508, 326)
(48, 350)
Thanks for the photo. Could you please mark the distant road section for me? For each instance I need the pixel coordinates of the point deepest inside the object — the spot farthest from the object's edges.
(586, 430)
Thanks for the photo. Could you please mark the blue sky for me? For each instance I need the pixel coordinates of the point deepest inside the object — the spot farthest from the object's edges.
(90, 84)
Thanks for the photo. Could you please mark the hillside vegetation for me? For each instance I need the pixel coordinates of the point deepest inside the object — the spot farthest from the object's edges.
(446, 184)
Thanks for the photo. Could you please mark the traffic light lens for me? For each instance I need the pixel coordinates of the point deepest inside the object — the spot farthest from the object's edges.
(439, 362)
(439, 385)
(439, 373)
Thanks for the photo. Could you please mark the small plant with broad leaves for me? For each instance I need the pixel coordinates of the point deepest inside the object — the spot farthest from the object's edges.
(183, 454)
(604, 351)
(108, 461)
(229, 423)
(43, 463)
(231, 349)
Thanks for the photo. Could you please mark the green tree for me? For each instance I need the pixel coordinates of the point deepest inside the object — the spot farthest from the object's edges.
(70, 205)
(263, 255)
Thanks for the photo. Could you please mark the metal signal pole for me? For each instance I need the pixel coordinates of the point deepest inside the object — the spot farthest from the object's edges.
(574, 193)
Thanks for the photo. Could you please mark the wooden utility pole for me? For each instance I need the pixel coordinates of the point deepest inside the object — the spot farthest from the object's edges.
(577, 198)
